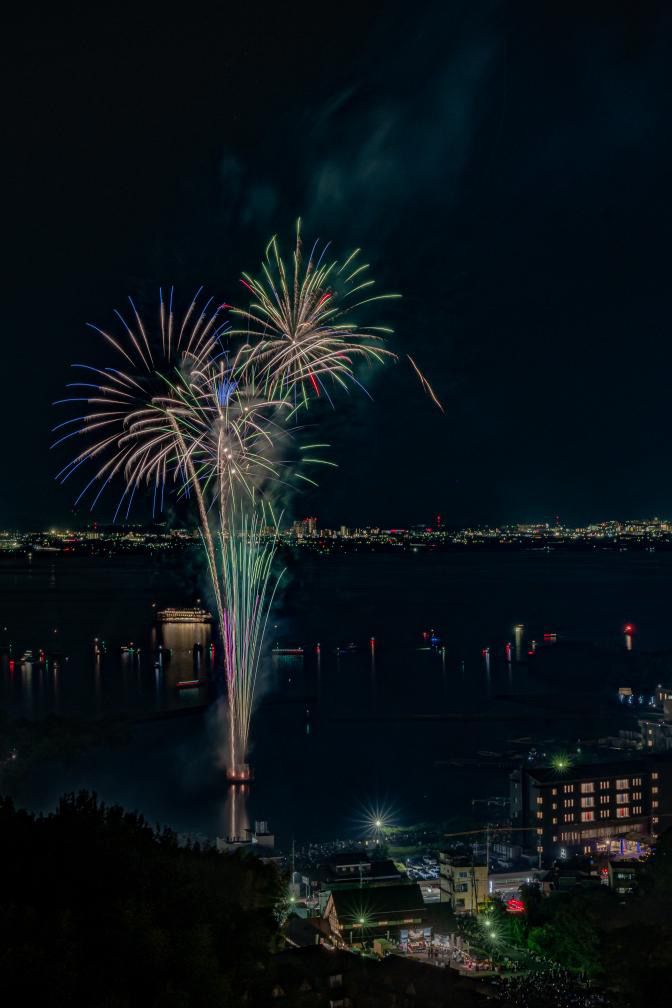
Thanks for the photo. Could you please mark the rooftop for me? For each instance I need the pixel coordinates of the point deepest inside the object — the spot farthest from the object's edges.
(583, 771)
(351, 904)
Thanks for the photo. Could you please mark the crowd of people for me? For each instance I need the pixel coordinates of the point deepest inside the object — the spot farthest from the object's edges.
(552, 987)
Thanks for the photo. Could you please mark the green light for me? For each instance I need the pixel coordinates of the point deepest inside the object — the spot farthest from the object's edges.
(561, 762)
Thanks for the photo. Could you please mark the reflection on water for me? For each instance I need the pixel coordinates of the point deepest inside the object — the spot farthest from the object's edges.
(236, 819)
(172, 668)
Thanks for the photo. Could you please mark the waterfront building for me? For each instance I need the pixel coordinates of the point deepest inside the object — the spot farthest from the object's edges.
(463, 883)
(594, 807)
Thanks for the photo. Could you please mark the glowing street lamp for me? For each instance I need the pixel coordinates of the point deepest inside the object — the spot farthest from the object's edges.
(561, 762)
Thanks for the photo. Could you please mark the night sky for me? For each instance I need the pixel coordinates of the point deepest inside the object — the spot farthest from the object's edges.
(510, 176)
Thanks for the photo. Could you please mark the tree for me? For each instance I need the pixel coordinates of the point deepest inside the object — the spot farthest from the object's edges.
(100, 909)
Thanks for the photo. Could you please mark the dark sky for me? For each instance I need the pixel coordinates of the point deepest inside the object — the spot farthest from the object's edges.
(509, 175)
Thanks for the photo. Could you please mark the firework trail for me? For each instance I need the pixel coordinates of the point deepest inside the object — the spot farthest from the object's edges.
(249, 587)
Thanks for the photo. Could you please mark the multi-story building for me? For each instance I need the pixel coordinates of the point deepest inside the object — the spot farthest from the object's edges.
(663, 699)
(463, 883)
(310, 526)
(656, 735)
(593, 807)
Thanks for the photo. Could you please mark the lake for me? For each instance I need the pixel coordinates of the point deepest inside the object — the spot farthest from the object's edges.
(333, 733)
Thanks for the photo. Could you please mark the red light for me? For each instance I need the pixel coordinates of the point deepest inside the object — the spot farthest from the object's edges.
(628, 628)
(515, 906)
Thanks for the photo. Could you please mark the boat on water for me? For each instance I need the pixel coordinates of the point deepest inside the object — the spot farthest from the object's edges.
(346, 649)
(130, 649)
(190, 683)
(27, 656)
(186, 614)
(287, 650)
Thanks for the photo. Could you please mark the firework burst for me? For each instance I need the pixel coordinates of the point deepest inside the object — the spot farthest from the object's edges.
(213, 410)
(126, 425)
(300, 331)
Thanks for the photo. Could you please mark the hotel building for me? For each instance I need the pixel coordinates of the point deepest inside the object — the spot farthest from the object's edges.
(593, 807)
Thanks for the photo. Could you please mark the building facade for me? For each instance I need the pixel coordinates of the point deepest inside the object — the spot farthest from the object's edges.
(593, 807)
(463, 884)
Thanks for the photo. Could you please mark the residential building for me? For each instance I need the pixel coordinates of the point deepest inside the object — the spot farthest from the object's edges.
(354, 869)
(463, 883)
(594, 806)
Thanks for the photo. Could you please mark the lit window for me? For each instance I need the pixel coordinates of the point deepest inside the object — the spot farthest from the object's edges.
(587, 802)
(654, 804)
(587, 816)
(555, 820)
(569, 818)
(654, 775)
(636, 781)
(622, 813)
(568, 802)
(655, 819)
(604, 813)
(636, 809)
(622, 784)
(604, 784)
(540, 832)
(540, 815)
(554, 805)
(540, 800)
(654, 790)
(604, 799)
(623, 798)
(636, 795)
(568, 788)
(554, 790)
(587, 788)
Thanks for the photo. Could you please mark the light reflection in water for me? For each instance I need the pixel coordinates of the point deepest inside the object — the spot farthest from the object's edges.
(188, 644)
(235, 812)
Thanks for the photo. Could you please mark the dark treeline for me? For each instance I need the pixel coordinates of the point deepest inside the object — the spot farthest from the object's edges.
(98, 908)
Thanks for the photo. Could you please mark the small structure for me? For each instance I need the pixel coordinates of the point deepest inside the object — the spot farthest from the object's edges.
(624, 876)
